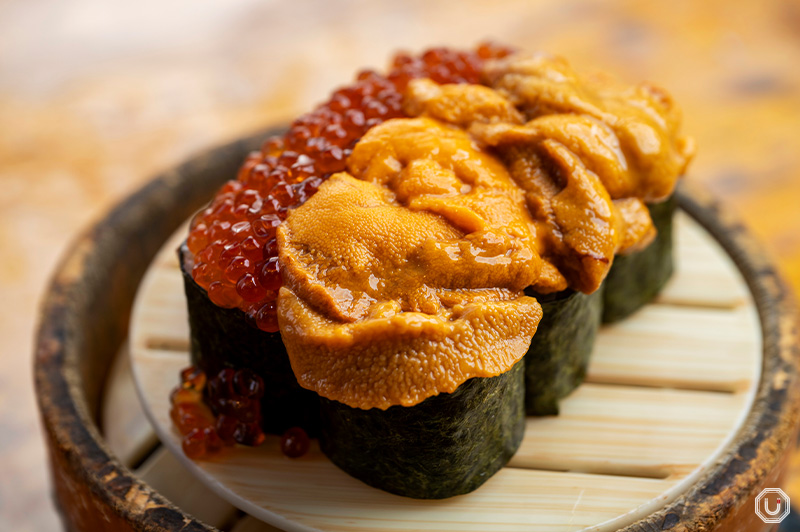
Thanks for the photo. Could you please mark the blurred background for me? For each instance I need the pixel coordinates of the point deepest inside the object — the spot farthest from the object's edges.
(97, 96)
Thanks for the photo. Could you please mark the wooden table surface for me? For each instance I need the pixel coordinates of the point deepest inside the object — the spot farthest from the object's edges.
(96, 96)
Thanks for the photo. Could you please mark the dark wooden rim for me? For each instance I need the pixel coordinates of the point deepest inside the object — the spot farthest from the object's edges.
(83, 322)
(85, 315)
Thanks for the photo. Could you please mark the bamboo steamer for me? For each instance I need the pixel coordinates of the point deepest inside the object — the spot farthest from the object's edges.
(110, 473)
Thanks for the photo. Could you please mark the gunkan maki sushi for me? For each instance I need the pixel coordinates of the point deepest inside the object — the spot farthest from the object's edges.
(590, 156)
(378, 274)
(412, 340)
(557, 360)
(637, 278)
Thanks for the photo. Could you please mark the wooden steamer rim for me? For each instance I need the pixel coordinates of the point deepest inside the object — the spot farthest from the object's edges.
(85, 320)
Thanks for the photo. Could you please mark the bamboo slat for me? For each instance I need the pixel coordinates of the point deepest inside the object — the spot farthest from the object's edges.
(681, 347)
(706, 276)
(125, 427)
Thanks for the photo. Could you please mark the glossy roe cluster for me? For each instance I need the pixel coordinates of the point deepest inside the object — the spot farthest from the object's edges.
(224, 410)
(233, 240)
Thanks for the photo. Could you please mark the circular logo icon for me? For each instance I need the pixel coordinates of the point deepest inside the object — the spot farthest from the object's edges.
(772, 505)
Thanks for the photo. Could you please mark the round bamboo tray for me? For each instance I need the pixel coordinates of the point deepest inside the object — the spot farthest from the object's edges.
(685, 444)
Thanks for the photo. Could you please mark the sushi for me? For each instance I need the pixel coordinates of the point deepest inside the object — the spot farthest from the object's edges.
(421, 261)
(592, 157)
(558, 357)
(413, 342)
(637, 278)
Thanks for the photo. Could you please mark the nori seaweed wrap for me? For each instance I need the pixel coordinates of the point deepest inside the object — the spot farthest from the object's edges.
(556, 361)
(636, 279)
(447, 445)
(222, 338)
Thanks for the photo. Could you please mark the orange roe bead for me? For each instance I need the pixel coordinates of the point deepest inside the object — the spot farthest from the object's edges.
(249, 434)
(194, 444)
(249, 288)
(237, 268)
(230, 252)
(250, 248)
(269, 274)
(205, 274)
(223, 295)
(270, 249)
(267, 317)
(193, 377)
(197, 239)
(241, 230)
(253, 160)
(211, 254)
(248, 384)
(212, 440)
(226, 426)
(265, 227)
(220, 229)
(185, 395)
(295, 442)
(189, 416)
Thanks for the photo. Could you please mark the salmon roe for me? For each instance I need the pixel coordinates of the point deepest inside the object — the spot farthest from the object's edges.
(192, 417)
(233, 239)
(217, 412)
